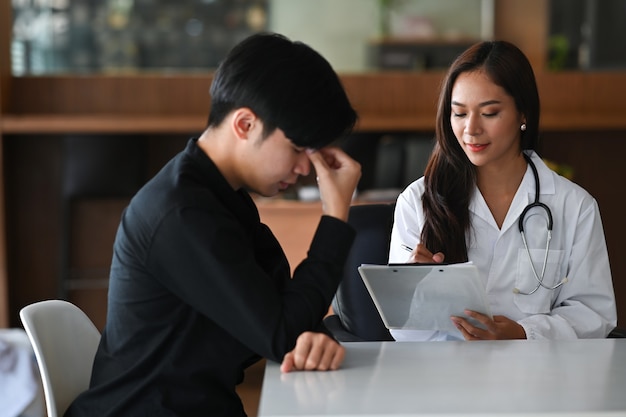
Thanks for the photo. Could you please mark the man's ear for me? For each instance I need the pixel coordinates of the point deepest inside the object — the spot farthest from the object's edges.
(243, 121)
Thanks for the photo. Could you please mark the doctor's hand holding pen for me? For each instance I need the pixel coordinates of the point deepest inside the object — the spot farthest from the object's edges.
(422, 255)
(500, 327)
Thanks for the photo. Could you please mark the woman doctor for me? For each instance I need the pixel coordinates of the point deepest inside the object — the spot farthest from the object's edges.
(478, 182)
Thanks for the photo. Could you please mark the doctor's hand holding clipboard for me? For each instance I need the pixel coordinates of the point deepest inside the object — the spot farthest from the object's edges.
(500, 327)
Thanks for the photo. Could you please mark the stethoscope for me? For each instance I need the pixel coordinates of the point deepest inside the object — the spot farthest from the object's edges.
(522, 217)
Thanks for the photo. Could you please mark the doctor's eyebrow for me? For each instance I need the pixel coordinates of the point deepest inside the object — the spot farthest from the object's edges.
(483, 104)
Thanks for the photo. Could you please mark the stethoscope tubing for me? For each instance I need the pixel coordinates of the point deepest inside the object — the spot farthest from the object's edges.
(537, 203)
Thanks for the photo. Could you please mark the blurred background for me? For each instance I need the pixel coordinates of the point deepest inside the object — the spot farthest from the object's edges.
(56, 36)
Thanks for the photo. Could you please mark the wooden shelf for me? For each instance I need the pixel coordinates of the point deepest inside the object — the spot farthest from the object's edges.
(559, 122)
(91, 124)
(116, 124)
(111, 124)
(385, 101)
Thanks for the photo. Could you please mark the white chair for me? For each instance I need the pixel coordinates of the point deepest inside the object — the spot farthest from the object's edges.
(65, 341)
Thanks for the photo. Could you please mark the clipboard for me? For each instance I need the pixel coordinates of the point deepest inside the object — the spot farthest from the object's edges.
(424, 296)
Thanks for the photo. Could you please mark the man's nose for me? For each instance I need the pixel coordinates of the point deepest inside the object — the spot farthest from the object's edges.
(303, 165)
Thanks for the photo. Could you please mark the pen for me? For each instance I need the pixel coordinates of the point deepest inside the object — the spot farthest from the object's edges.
(407, 248)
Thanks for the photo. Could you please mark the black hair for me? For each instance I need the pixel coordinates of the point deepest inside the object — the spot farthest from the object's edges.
(288, 85)
(450, 177)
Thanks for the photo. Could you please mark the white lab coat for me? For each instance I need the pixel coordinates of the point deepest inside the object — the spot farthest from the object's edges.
(584, 307)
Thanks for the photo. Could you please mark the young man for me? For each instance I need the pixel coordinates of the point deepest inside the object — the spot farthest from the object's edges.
(199, 288)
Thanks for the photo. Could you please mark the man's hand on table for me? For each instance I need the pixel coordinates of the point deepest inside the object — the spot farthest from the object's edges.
(314, 352)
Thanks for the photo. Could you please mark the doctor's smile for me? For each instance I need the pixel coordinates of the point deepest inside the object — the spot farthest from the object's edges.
(475, 147)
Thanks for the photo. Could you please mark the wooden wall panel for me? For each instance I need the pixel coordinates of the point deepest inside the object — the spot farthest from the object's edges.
(581, 100)
(525, 23)
(394, 101)
(100, 94)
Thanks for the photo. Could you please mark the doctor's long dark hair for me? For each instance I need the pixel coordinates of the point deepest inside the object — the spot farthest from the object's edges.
(450, 177)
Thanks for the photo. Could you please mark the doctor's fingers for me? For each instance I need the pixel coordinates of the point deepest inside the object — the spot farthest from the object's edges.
(464, 327)
(471, 332)
(421, 254)
(489, 324)
(500, 328)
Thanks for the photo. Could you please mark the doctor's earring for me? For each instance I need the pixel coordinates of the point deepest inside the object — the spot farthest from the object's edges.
(523, 127)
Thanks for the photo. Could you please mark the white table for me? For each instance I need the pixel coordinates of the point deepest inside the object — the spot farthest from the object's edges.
(537, 378)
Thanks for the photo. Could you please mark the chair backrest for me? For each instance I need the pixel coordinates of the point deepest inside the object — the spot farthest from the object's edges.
(352, 303)
(65, 341)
